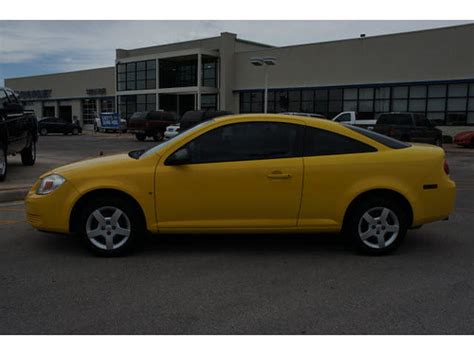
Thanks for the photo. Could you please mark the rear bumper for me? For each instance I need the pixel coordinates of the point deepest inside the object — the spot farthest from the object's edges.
(437, 204)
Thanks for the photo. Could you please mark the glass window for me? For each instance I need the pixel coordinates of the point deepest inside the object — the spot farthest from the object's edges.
(151, 64)
(281, 101)
(418, 92)
(137, 76)
(3, 98)
(350, 94)
(436, 104)
(307, 106)
(417, 105)
(350, 105)
(141, 66)
(471, 104)
(436, 90)
(366, 94)
(321, 94)
(246, 141)
(366, 106)
(345, 117)
(335, 106)
(399, 105)
(131, 67)
(457, 90)
(121, 68)
(382, 105)
(380, 138)
(457, 104)
(294, 95)
(209, 102)
(308, 95)
(335, 94)
(321, 142)
(382, 93)
(141, 85)
(436, 117)
(400, 92)
(89, 111)
(470, 118)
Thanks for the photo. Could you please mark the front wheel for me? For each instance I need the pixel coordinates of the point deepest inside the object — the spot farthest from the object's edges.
(43, 131)
(3, 162)
(376, 226)
(28, 155)
(110, 226)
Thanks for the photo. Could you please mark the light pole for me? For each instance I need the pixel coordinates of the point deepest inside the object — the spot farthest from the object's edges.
(265, 62)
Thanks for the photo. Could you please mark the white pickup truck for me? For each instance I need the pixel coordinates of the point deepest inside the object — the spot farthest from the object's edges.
(355, 118)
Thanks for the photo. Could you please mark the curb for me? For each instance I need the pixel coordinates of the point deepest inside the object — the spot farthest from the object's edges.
(13, 195)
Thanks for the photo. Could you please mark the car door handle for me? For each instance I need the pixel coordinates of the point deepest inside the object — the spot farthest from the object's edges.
(278, 175)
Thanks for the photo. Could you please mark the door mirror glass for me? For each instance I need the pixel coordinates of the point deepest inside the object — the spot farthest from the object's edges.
(180, 157)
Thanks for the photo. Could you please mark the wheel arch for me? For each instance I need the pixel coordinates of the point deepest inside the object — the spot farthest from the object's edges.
(103, 192)
(385, 192)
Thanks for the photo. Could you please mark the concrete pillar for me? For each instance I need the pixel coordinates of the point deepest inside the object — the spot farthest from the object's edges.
(199, 76)
(226, 71)
(157, 66)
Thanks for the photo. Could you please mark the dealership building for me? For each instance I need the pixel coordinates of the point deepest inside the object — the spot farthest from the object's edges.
(428, 71)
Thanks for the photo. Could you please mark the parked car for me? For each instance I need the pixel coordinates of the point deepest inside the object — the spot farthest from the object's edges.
(18, 131)
(192, 118)
(98, 126)
(464, 139)
(57, 125)
(250, 174)
(150, 124)
(304, 114)
(356, 119)
(172, 131)
(409, 127)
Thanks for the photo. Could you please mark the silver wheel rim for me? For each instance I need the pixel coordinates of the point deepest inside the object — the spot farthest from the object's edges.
(108, 228)
(379, 227)
(3, 162)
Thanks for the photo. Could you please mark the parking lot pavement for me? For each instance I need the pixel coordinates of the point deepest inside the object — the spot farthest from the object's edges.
(57, 150)
(220, 284)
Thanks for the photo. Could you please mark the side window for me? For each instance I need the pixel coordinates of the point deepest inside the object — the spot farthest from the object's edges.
(3, 98)
(422, 121)
(321, 142)
(345, 117)
(12, 97)
(246, 141)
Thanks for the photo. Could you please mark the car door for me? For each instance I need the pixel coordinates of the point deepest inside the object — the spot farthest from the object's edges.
(241, 175)
(333, 163)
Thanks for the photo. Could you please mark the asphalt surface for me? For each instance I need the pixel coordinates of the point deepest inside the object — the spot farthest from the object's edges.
(274, 284)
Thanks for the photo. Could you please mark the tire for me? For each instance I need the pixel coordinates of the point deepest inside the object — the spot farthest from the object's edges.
(140, 136)
(3, 162)
(376, 225)
(158, 136)
(28, 155)
(100, 232)
(75, 132)
(43, 131)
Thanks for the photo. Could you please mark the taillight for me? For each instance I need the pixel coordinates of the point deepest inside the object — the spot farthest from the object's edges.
(446, 167)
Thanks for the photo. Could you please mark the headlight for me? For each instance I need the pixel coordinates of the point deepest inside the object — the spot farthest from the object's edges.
(50, 183)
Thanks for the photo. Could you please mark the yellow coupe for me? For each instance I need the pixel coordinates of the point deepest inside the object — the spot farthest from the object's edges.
(250, 174)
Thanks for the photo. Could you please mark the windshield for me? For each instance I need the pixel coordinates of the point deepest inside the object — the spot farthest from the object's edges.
(163, 144)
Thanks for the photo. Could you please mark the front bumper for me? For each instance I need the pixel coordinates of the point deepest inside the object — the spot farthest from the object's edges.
(51, 212)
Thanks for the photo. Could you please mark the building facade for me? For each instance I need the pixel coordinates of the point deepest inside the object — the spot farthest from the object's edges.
(429, 71)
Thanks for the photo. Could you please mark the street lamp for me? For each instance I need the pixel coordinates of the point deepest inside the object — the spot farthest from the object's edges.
(265, 62)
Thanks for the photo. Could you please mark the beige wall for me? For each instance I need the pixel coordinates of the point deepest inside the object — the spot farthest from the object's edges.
(68, 85)
(437, 54)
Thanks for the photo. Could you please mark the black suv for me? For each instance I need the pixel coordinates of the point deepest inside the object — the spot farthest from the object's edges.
(18, 131)
(408, 127)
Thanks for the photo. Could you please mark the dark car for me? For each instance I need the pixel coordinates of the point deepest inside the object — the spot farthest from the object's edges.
(192, 118)
(408, 127)
(150, 124)
(18, 131)
(57, 125)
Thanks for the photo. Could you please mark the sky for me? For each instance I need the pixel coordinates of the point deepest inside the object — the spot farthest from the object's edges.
(43, 47)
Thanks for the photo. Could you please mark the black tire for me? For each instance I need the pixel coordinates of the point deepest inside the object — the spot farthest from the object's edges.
(356, 225)
(140, 136)
(28, 155)
(43, 132)
(75, 132)
(106, 205)
(4, 164)
(158, 136)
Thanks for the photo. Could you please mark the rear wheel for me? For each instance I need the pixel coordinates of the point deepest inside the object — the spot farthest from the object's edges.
(28, 155)
(43, 131)
(376, 225)
(140, 136)
(110, 226)
(3, 162)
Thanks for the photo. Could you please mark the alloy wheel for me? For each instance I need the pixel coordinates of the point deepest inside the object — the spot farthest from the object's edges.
(379, 227)
(108, 228)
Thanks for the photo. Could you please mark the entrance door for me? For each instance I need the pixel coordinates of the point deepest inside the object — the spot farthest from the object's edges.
(185, 103)
(65, 113)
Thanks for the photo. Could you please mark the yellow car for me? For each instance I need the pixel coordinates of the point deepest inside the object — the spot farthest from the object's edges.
(250, 174)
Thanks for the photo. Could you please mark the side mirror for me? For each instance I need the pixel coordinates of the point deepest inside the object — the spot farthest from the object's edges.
(180, 157)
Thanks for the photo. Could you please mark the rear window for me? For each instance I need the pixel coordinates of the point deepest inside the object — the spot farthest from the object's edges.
(379, 138)
(395, 119)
